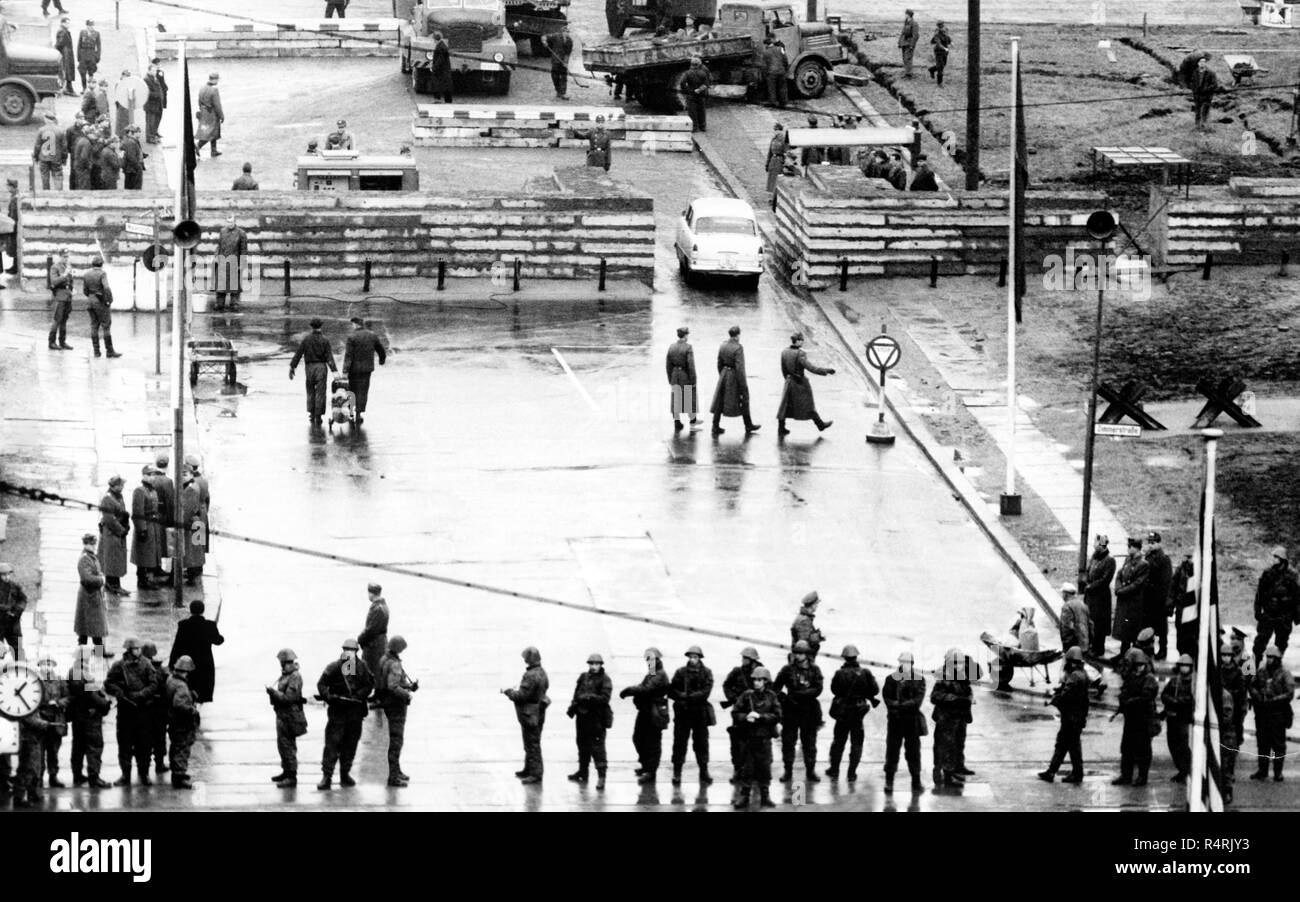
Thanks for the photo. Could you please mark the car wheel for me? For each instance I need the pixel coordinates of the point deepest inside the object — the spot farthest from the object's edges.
(16, 105)
(810, 79)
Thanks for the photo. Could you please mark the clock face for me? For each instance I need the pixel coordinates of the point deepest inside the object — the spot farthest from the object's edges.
(20, 690)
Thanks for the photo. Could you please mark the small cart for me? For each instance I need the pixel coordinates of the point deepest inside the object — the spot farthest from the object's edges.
(212, 355)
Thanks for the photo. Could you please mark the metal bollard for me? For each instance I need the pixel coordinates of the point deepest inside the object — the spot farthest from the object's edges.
(518, 265)
(365, 288)
(1002, 273)
(288, 281)
(1286, 259)
(442, 275)
(601, 286)
(1205, 270)
(844, 273)
(934, 272)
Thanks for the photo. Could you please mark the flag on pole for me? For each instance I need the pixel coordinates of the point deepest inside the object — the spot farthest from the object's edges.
(1019, 179)
(1205, 785)
(189, 156)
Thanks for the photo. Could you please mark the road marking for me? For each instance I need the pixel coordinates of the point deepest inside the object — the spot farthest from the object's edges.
(576, 384)
(317, 122)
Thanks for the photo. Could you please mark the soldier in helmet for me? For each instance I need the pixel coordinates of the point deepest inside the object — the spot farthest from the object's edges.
(1271, 692)
(952, 700)
(133, 681)
(531, 702)
(803, 629)
(801, 681)
(692, 713)
(1230, 732)
(1179, 700)
(393, 691)
(756, 715)
(87, 705)
(290, 719)
(158, 710)
(1143, 650)
(736, 684)
(182, 721)
(650, 697)
(344, 686)
(903, 695)
(855, 693)
(1070, 698)
(54, 709)
(32, 731)
(1137, 702)
(592, 716)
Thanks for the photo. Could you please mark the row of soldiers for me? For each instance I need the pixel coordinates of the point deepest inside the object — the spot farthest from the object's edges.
(98, 157)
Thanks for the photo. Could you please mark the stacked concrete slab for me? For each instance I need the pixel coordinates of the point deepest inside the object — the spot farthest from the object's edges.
(837, 215)
(1249, 221)
(453, 125)
(559, 229)
(308, 37)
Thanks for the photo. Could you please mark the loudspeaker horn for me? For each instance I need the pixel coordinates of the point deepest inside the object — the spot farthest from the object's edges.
(1101, 225)
(187, 232)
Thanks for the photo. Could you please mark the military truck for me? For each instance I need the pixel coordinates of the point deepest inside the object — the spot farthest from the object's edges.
(533, 20)
(28, 74)
(621, 15)
(651, 69)
(482, 52)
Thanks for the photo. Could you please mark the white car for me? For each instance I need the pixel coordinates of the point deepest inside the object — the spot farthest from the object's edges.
(719, 235)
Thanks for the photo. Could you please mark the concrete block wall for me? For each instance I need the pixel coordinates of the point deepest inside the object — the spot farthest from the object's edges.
(890, 233)
(1251, 227)
(450, 125)
(559, 229)
(310, 37)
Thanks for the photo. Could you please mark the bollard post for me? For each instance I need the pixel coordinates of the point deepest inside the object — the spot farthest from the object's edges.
(442, 274)
(601, 286)
(844, 273)
(1002, 273)
(288, 283)
(934, 272)
(365, 288)
(1205, 270)
(1144, 25)
(1286, 258)
(518, 264)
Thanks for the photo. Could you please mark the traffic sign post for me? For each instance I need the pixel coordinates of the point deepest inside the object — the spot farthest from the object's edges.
(147, 440)
(1118, 430)
(883, 353)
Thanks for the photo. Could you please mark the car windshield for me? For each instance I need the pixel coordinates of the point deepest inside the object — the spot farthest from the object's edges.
(724, 225)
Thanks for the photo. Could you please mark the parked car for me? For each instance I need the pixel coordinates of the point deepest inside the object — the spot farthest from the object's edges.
(719, 235)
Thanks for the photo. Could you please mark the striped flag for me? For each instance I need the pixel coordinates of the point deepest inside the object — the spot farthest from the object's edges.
(1205, 785)
(189, 156)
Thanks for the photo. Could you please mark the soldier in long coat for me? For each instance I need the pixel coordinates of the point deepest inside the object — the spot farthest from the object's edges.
(1137, 702)
(1130, 592)
(157, 102)
(1096, 594)
(776, 149)
(114, 524)
(147, 547)
(440, 70)
(797, 399)
(210, 115)
(67, 61)
(952, 702)
(195, 555)
(83, 163)
(91, 619)
(680, 364)
(731, 397)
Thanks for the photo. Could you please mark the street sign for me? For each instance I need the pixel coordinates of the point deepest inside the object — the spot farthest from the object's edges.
(135, 228)
(147, 440)
(1119, 429)
(883, 352)
(154, 257)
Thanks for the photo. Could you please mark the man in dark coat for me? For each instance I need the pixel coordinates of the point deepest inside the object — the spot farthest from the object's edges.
(650, 697)
(694, 86)
(359, 362)
(290, 721)
(1155, 600)
(737, 683)
(11, 240)
(731, 397)
(680, 363)
(560, 46)
(592, 717)
(775, 67)
(245, 182)
(1070, 698)
(757, 716)
(530, 700)
(1130, 596)
(799, 683)
(1271, 692)
(88, 52)
(147, 549)
(1277, 603)
(952, 702)
(941, 42)
(166, 489)
(1075, 622)
(797, 398)
(132, 160)
(232, 252)
(373, 638)
(1179, 700)
(195, 638)
(133, 681)
(692, 714)
(776, 150)
(1137, 702)
(440, 69)
(108, 165)
(907, 40)
(50, 152)
(90, 621)
(156, 103)
(393, 693)
(67, 61)
(211, 116)
(923, 177)
(83, 163)
(158, 710)
(344, 686)
(114, 525)
(855, 693)
(13, 602)
(61, 280)
(315, 350)
(1204, 86)
(1096, 593)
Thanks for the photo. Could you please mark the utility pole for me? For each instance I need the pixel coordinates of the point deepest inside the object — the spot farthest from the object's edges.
(178, 363)
(972, 95)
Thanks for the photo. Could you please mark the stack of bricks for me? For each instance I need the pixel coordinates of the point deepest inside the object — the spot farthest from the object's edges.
(1251, 221)
(311, 37)
(452, 125)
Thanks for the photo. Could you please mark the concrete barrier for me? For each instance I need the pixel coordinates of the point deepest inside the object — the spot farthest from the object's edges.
(452, 125)
(307, 37)
(557, 228)
(1251, 221)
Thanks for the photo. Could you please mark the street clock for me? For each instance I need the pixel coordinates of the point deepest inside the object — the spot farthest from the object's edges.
(21, 690)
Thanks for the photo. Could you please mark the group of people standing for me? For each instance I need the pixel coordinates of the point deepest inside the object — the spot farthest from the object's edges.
(940, 43)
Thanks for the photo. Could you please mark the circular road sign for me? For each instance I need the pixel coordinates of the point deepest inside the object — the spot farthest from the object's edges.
(883, 352)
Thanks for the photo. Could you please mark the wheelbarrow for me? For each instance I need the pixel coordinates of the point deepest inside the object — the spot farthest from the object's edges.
(1011, 656)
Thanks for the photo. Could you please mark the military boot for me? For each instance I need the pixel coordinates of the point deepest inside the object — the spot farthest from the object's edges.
(182, 782)
(94, 343)
(810, 774)
(278, 777)
(108, 347)
(20, 799)
(787, 776)
(647, 777)
(889, 784)
(326, 781)
(600, 778)
(853, 765)
(765, 798)
(579, 776)
(916, 783)
(78, 779)
(705, 778)
(345, 779)
(124, 780)
(144, 776)
(742, 799)
(677, 775)
(288, 781)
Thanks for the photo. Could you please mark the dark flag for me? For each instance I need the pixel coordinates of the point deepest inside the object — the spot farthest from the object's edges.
(189, 156)
(1019, 179)
(1205, 788)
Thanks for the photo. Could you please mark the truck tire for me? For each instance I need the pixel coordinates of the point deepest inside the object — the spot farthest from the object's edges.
(16, 105)
(810, 79)
(422, 80)
(496, 82)
(615, 18)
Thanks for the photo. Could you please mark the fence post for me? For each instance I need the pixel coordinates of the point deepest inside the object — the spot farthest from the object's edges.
(1205, 270)
(442, 274)
(844, 273)
(934, 272)
(601, 286)
(365, 288)
(518, 265)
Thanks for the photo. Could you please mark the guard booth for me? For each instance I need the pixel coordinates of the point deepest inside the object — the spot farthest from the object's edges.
(875, 136)
(333, 171)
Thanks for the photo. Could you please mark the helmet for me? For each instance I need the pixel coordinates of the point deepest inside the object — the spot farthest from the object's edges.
(352, 644)
(653, 652)
(595, 659)
(750, 652)
(1147, 635)
(285, 655)
(850, 651)
(396, 645)
(694, 650)
(184, 664)
(1069, 589)
(802, 646)
(761, 673)
(531, 656)
(1186, 659)
(811, 598)
(149, 650)
(1272, 652)
(1074, 654)
(131, 642)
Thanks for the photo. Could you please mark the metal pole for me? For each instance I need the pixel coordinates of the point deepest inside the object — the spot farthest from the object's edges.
(1090, 439)
(1208, 632)
(178, 373)
(1010, 502)
(972, 95)
(157, 299)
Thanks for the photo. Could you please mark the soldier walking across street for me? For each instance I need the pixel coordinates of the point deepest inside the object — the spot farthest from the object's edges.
(13, 602)
(1179, 700)
(650, 697)
(133, 681)
(855, 692)
(195, 637)
(756, 717)
(1137, 702)
(94, 285)
(182, 721)
(90, 620)
(560, 45)
(290, 719)
(800, 682)
(592, 717)
(1070, 697)
(731, 397)
(373, 637)
(363, 346)
(1271, 692)
(692, 714)
(158, 710)
(952, 700)
(1160, 577)
(344, 686)
(211, 116)
(737, 683)
(50, 152)
(315, 350)
(531, 701)
(89, 50)
(907, 40)
(87, 705)
(393, 691)
(54, 711)
(680, 363)
(1130, 596)
(1096, 593)
(61, 280)
(1277, 604)
(797, 401)
(694, 86)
